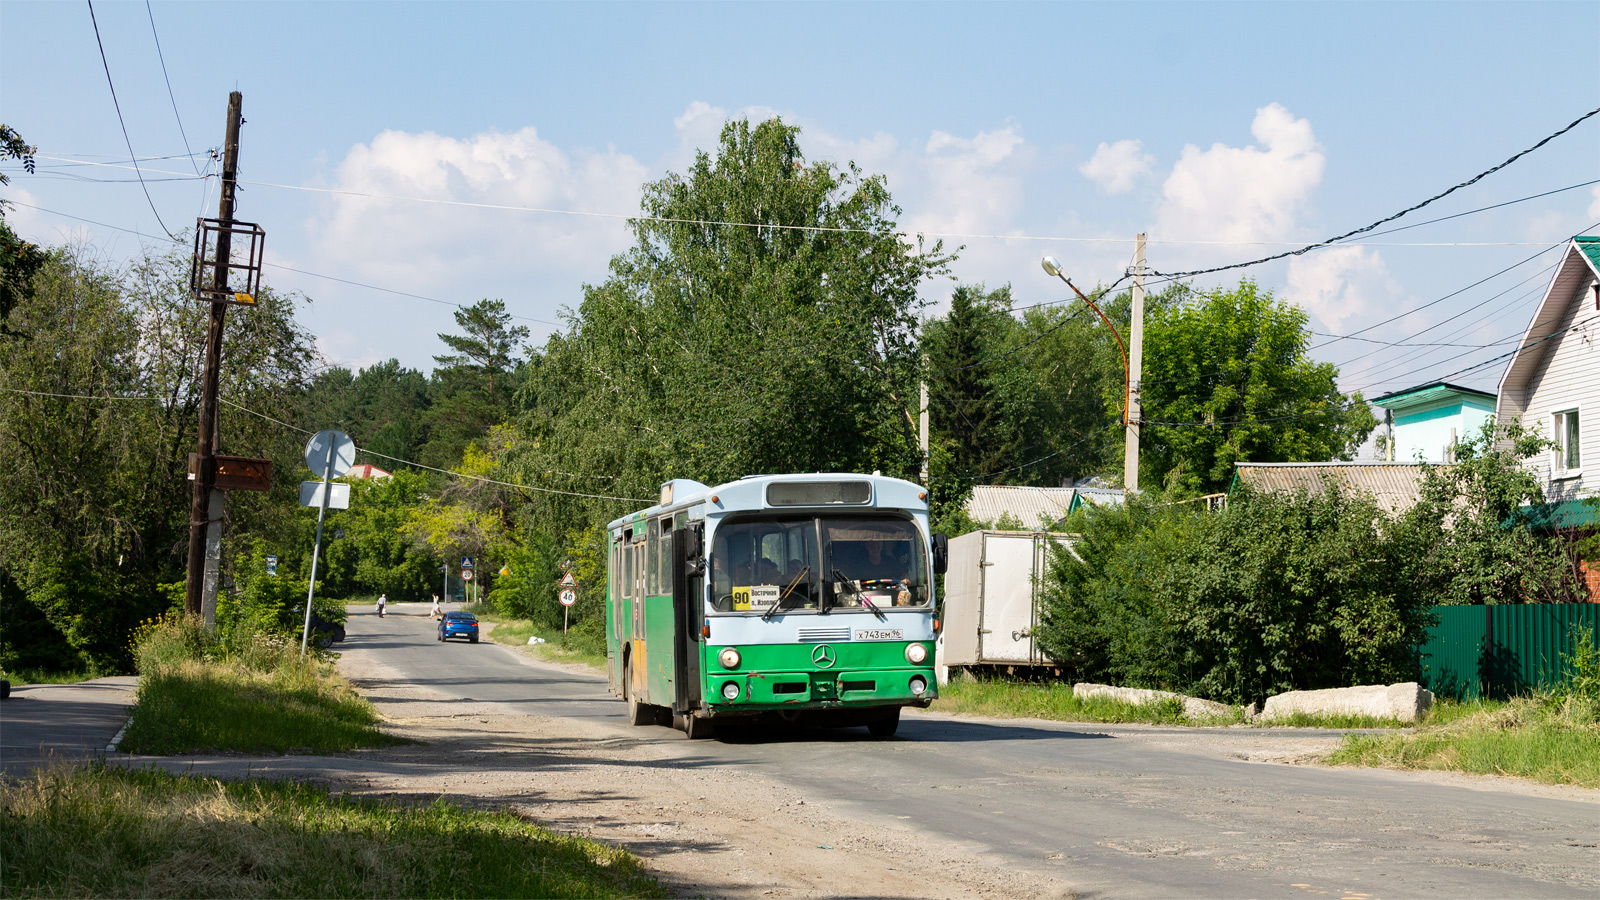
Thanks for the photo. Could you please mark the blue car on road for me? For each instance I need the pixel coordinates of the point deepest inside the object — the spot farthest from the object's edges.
(459, 624)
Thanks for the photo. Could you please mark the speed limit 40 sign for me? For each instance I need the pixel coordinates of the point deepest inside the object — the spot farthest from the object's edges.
(569, 597)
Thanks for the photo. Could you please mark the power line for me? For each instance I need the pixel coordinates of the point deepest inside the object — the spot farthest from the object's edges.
(1364, 229)
(278, 266)
(163, 58)
(118, 105)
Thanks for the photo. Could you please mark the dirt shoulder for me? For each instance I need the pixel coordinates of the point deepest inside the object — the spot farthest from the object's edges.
(711, 833)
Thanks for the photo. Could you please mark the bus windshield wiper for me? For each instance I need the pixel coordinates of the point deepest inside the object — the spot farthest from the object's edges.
(778, 603)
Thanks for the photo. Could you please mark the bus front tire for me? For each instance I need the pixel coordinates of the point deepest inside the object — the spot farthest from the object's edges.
(696, 728)
(885, 725)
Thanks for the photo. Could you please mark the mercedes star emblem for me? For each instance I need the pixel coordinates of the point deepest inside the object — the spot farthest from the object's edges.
(823, 657)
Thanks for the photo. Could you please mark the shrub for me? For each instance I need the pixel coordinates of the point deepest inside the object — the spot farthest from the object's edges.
(1275, 593)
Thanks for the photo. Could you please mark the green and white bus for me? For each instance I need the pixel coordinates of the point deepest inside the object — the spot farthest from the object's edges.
(801, 597)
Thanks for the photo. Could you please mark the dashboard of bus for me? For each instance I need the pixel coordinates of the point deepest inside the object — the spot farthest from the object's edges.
(770, 564)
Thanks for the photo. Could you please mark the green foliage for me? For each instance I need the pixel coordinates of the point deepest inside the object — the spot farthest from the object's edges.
(488, 344)
(1469, 543)
(715, 351)
(1227, 380)
(1583, 667)
(94, 489)
(1276, 593)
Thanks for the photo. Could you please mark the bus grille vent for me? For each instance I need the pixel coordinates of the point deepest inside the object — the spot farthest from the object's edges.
(818, 635)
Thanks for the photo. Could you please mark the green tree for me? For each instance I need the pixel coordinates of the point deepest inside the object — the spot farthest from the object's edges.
(1227, 380)
(92, 477)
(1475, 535)
(967, 408)
(490, 340)
(765, 320)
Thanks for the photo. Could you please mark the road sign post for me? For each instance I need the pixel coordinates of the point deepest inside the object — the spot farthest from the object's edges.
(334, 450)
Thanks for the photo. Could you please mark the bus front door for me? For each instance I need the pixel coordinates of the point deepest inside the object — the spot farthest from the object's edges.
(688, 613)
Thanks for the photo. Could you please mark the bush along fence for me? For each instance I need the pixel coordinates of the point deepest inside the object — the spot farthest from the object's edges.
(1503, 650)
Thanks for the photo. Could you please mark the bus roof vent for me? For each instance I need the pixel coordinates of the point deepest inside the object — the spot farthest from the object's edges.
(819, 493)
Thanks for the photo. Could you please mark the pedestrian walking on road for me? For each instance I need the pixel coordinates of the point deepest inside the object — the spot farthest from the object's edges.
(435, 612)
(383, 600)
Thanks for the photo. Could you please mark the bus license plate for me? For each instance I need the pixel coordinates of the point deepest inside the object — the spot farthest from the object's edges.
(880, 634)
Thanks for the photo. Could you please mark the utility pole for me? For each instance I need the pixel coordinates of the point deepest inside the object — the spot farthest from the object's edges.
(1130, 463)
(202, 515)
(922, 433)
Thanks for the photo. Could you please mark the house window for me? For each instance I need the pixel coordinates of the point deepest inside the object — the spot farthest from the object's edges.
(1568, 458)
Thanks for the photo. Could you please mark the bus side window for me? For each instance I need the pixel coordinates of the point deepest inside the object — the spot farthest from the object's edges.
(652, 566)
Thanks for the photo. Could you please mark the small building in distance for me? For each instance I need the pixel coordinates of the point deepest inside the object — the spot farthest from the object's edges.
(366, 470)
(1426, 422)
(1035, 508)
(1395, 486)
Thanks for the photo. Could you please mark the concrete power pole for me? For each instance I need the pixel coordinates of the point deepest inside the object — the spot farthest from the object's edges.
(922, 432)
(1130, 464)
(203, 514)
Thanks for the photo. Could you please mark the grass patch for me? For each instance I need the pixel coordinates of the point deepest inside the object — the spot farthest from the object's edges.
(196, 696)
(20, 677)
(151, 834)
(1552, 739)
(574, 647)
(1006, 699)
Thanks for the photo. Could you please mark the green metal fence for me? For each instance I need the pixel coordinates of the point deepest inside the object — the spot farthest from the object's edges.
(1503, 650)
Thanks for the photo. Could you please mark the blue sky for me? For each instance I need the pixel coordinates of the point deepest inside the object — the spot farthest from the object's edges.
(1226, 131)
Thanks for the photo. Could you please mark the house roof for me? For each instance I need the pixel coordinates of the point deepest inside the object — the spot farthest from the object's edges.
(1395, 486)
(1034, 507)
(366, 470)
(1097, 497)
(1432, 392)
(1581, 262)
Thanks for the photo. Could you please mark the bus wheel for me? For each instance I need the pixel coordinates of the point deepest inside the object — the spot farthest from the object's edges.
(885, 725)
(638, 713)
(696, 728)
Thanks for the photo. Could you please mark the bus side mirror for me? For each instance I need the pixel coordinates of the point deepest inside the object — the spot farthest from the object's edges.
(941, 554)
(694, 550)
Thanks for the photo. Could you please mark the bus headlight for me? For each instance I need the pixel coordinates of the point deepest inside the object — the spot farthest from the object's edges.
(916, 653)
(919, 685)
(730, 689)
(729, 658)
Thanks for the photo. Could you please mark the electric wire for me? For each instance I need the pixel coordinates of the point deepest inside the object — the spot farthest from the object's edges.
(120, 121)
(161, 56)
(1364, 229)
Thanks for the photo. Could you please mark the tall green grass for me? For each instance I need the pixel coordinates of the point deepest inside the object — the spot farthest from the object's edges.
(1055, 701)
(195, 695)
(1549, 738)
(108, 832)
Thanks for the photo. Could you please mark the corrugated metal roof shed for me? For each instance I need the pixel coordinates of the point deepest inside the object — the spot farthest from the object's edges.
(1035, 507)
(1395, 486)
(1097, 497)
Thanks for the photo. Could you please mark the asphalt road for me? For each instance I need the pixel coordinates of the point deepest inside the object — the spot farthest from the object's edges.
(1112, 811)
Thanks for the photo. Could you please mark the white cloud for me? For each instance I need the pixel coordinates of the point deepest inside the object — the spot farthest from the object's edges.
(1340, 283)
(1115, 168)
(460, 249)
(1594, 206)
(1244, 194)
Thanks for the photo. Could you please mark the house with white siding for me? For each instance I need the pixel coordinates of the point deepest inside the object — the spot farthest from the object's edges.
(1553, 381)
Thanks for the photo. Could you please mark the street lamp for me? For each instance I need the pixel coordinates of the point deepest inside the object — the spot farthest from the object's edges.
(1053, 268)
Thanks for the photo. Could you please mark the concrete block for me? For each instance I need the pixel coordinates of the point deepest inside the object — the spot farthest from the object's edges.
(1406, 702)
(1193, 707)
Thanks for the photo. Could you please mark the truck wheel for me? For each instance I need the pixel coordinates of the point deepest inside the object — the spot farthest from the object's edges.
(885, 725)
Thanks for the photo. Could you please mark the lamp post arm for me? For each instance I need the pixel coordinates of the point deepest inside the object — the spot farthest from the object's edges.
(1127, 386)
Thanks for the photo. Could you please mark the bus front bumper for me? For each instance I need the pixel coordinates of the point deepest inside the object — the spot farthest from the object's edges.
(755, 691)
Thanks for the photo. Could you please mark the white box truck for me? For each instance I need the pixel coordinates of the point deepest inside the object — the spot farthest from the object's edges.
(992, 598)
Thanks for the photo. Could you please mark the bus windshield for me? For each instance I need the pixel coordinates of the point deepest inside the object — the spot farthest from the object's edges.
(808, 564)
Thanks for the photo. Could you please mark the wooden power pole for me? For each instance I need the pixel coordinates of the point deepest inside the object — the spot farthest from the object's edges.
(201, 511)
